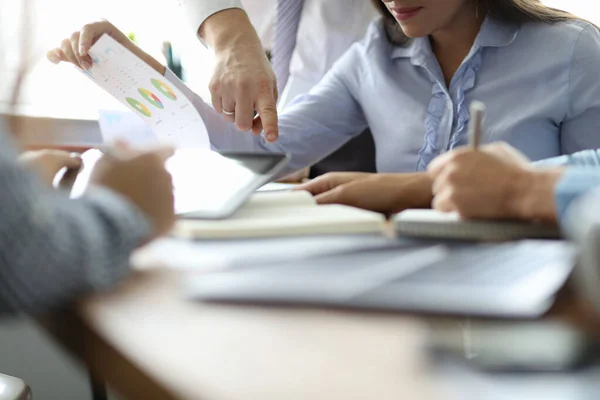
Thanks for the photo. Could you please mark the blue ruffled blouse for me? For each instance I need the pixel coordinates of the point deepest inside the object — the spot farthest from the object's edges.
(539, 81)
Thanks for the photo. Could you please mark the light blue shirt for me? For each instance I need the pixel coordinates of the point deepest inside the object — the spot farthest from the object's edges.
(539, 81)
(582, 176)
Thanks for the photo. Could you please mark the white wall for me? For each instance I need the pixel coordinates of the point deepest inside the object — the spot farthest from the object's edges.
(61, 91)
(588, 9)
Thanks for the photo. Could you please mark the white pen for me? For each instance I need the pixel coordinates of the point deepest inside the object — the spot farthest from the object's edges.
(477, 112)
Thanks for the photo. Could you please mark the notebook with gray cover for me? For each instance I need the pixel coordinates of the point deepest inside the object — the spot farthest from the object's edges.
(437, 225)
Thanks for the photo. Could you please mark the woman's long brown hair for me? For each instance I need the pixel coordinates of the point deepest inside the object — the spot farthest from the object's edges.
(509, 11)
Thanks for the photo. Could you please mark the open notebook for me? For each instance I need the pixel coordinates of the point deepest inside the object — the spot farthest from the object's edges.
(284, 214)
(437, 225)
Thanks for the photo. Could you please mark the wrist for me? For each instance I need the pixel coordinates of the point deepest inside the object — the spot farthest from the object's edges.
(531, 196)
(217, 33)
(413, 190)
(424, 190)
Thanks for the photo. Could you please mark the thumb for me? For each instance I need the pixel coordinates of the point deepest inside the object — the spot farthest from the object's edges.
(439, 163)
(121, 145)
(89, 34)
(72, 161)
(164, 152)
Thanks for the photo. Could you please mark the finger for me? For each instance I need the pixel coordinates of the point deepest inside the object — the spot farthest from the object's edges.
(75, 161)
(497, 148)
(55, 56)
(349, 194)
(69, 160)
(120, 147)
(62, 55)
(442, 203)
(228, 108)
(330, 197)
(244, 111)
(440, 183)
(257, 125)
(164, 152)
(67, 50)
(85, 64)
(317, 186)
(439, 163)
(217, 102)
(267, 108)
(87, 37)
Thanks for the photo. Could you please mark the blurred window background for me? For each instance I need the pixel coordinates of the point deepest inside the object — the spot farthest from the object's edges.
(62, 92)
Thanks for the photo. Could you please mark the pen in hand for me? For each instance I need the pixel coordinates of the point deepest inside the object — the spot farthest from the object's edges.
(477, 112)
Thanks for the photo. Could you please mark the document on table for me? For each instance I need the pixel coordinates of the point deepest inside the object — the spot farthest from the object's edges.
(117, 124)
(170, 115)
(207, 255)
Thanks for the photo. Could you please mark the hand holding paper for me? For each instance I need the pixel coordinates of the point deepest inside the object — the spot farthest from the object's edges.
(136, 83)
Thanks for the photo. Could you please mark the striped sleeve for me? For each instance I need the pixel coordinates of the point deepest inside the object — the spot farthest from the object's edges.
(52, 248)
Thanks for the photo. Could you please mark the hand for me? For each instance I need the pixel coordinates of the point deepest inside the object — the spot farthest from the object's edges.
(47, 163)
(243, 80)
(75, 49)
(142, 178)
(496, 182)
(330, 181)
(384, 193)
(296, 177)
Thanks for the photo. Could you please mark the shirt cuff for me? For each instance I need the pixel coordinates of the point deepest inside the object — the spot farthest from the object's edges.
(198, 11)
(576, 182)
(132, 223)
(586, 158)
(552, 162)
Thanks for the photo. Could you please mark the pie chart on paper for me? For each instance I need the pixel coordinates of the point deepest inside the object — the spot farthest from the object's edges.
(139, 107)
(164, 89)
(151, 98)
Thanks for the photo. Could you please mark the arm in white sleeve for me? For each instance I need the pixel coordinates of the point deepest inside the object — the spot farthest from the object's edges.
(198, 11)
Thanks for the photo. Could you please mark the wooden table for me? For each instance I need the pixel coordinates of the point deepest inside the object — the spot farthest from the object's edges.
(148, 342)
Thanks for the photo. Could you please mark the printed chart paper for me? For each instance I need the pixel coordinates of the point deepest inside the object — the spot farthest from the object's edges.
(169, 113)
(121, 124)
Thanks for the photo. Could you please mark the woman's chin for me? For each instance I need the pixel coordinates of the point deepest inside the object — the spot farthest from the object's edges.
(413, 31)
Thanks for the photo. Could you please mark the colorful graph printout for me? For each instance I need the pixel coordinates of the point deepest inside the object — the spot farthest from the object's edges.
(161, 104)
(151, 98)
(164, 89)
(139, 107)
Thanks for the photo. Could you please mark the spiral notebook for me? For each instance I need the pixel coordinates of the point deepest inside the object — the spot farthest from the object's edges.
(437, 225)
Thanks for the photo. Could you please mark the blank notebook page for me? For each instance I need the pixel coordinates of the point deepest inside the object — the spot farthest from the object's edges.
(284, 214)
